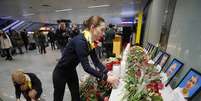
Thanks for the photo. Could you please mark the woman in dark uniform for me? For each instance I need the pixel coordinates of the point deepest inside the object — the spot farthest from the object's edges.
(76, 51)
(27, 84)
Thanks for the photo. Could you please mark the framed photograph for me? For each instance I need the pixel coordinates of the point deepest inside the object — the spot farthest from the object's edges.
(157, 57)
(172, 69)
(163, 59)
(190, 85)
(147, 46)
(151, 48)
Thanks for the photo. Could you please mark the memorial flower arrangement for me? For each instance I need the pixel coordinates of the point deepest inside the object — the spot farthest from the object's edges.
(88, 90)
(142, 79)
(94, 90)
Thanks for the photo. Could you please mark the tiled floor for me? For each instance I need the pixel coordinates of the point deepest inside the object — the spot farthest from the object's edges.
(41, 65)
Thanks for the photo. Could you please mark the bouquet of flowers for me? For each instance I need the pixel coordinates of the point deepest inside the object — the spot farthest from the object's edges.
(142, 79)
(88, 89)
(94, 90)
(104, 89)
(136, 54)
(109, 62)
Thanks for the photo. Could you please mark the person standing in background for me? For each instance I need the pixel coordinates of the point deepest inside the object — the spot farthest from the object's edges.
(35, 37)
(25, 39)
(62, 36)
(42, 41)
(32, 42)
(108, 40)
(6, 45)
(51, 37)
(17, 41)
(75, 31)
(99, 49)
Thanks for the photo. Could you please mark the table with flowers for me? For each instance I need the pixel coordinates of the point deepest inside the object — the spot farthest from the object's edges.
(140, 79)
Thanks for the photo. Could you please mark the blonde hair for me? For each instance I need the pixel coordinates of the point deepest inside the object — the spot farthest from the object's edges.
(93, 20)
(18, 76)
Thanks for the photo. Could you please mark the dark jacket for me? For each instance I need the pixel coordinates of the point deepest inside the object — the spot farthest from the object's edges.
(24, 37)
(17, 40)
(51, 36)
(74, 33)
(109, 36)
(36, 84)
(41, 38)
(78, 50)
(62, 37)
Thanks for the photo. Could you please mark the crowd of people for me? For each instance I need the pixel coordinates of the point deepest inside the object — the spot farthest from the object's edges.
(14, 42)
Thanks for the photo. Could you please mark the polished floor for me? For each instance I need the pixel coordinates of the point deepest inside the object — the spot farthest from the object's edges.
(32, 61)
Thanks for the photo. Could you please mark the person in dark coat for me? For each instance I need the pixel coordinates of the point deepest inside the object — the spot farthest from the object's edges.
(17, 40)
(75, 31)
(51, 36)
(42, 42)
(62, 36)
(27, 84)
(108, 41)
(25, 39)
(75, 52)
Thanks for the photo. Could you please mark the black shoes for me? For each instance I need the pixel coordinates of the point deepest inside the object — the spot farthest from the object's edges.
(9, 58)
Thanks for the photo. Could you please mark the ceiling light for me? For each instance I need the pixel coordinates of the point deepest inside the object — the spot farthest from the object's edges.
(63, 10)
(29, 14)
(99, 6)
(129, 22)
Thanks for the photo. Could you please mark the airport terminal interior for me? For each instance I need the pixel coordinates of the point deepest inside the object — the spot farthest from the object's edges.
(100, 50)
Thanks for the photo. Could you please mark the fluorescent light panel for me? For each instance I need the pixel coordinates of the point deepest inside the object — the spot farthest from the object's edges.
(129, 22)
(29, 14)
(99, 6)
(6, 17)
(63, 10)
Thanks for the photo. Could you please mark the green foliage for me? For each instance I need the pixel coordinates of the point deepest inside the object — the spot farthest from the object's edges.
(92, 90)
(139, 73)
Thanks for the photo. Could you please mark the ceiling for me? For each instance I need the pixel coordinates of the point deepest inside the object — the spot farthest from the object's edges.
(45, 10)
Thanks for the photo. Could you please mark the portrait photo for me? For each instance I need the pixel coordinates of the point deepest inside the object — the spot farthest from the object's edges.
(151, 48)
(190, 84)
(172, 69)
(157, 57)
(163, 59)
(147, 46)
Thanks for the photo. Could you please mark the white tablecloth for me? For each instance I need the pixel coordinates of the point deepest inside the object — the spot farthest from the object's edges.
(118, 93)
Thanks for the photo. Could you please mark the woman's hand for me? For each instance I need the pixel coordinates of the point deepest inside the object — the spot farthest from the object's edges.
(32, 94)
(113, 80)
(24, 87)
(109, 73)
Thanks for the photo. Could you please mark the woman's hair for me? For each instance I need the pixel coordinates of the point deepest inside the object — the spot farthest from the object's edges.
(18, 76)
(93, 20)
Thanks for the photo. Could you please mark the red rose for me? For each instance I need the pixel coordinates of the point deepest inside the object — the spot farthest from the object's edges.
(138, 73)
(97, 93)
(109, 66)
(160, 85)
